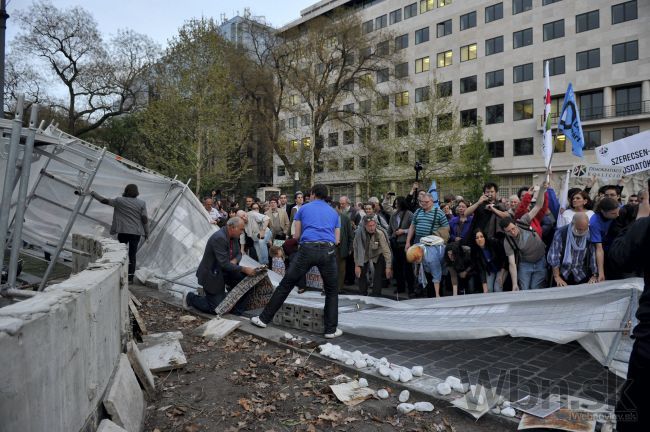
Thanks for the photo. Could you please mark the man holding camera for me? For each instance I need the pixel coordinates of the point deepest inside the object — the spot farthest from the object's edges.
(487, 211)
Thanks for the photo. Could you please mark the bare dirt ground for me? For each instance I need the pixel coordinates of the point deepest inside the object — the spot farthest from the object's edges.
(243, 383)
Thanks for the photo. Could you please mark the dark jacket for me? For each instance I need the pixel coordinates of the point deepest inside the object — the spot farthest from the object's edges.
(405, 224)
(630, 252)
(219, 250)
(347, 236)
(495, 247)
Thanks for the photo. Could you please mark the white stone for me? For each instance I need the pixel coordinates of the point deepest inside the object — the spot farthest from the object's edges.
(382, 393)
(451, 380)
(423, 406)
(405, 375)
(405, 408)
(141, 369)
(496, 410)
(508, 412)
(218, 328)
(417, 371)
(108, 426)
(349, 362)
(363, 382)
(500, 400)
(384, 371)
(288, 336)
(360, 364)
(124, 401)
(404, 396)
(505, 404)
(460, 388)
(158, 337)
(394, 375)
(443, 389)
(163, 356)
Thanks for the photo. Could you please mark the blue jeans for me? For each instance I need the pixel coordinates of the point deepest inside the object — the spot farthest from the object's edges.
(262, 248)
(492, 283)
(532, 275)
(322, 256)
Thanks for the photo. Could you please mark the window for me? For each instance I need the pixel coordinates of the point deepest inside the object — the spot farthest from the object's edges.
(588, 59)
(422, 126)
(381, 22)
(333, 139)
(382, 75)
(522, 38)
(445, 122)
(494, 45)
(293, 145)
(468, 117)
(624, 132)
(625, 52)
(445, 59)
(401, 98)
(364, 135)
(468, 84)
(468, 21)
(494, 114)
(422, 64)
(364, 107)
(292, 123)
(522, 110)
(282, 171)
(422, 35)
(421, 94)
(559, 146)
(395, 16)
(628, 100)
(401, 42)
(443, 28)
(587, 21)
(305, 120)
(319, 166)
(382, 102)
(367, 27)
(468, 52)
(555, 66)
(522, 73)
(591, 105)
(494, 12)
(495, 148)
(422, 156)
(401, 70)
(348, 137)
(624, 12)
(426, 6)
(332, 165)
(294, 99)
(402, 158)
(401, 128)
(444, 154)
(494, 79)
(592, 139)
(348, 108)
(443, 3)
(523, 147)
(444, 89)
(382, 48)
(348, 164)
(410, 11)
(519, 6)
(382, 131)
(548, 2)
(553, 30)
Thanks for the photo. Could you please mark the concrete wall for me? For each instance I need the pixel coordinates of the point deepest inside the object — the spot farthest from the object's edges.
(58, 350)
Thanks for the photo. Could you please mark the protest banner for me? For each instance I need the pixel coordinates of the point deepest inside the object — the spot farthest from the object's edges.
(604, 172)
(631, 153)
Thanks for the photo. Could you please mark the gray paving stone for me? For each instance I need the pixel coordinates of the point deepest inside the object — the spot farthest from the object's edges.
(124, 401)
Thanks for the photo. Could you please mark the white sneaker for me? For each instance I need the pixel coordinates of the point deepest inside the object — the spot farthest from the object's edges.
(337, 333)
(258, 322)
(185, 305)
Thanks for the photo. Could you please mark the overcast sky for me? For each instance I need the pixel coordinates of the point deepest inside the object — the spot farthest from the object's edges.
(160, 19)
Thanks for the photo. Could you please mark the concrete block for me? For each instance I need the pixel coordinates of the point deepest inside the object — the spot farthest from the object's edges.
(163, 356)
(217, 328)
(277, 318)
(154, 338)
(124, 401)
(141, 369)
(306, 325)
(109, 426)
(317, 325)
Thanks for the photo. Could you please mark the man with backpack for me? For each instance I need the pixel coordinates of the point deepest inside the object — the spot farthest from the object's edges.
(526, 254)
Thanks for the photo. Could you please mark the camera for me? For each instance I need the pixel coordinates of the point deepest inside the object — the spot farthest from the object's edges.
(418, 166)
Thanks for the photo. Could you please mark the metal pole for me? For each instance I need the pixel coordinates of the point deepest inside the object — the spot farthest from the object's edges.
(22, 197)
(10, 172)
(3, 27)
(73, 216)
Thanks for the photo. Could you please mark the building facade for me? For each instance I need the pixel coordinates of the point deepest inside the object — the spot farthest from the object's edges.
(489, 55)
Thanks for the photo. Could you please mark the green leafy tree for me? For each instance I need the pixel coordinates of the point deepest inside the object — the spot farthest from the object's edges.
(474, 164)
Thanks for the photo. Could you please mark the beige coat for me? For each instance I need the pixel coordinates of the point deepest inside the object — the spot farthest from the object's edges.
(278, 222)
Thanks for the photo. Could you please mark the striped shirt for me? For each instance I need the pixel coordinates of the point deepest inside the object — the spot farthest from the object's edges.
(427, 222)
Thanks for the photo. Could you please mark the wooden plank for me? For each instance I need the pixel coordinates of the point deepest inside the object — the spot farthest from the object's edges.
(141, 369)
(138, 318)
(135, 299)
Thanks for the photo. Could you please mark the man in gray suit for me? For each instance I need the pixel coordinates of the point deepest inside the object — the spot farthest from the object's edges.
(220, 267)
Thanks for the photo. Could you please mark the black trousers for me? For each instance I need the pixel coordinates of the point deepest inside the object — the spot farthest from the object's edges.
(209, 302)
(403, 270)
(309, 255)
(632, 407)
(132, 240)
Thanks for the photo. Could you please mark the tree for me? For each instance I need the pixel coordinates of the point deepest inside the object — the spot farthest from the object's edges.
(198, 125)
(474, 165)
(100, 81)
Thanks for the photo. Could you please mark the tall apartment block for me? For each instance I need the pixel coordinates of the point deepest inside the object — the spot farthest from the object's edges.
(489, 55)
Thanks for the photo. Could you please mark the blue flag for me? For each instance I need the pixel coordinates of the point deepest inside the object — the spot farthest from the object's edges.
(569, 123)
(433, 190)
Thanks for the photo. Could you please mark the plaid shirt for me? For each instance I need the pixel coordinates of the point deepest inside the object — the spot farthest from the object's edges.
(577, 266)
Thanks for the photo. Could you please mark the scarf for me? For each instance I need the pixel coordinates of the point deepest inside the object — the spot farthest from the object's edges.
(574, 242)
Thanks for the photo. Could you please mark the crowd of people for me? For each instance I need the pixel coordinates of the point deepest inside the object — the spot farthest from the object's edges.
(525, 241)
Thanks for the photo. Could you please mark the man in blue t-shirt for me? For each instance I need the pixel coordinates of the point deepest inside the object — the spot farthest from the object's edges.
(599, 227)
(317, 227)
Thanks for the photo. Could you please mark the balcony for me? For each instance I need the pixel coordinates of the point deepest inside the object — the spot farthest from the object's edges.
(608, 113)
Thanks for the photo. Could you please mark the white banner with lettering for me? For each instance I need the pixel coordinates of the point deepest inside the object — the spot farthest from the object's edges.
(601, 171)
(632, 153)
